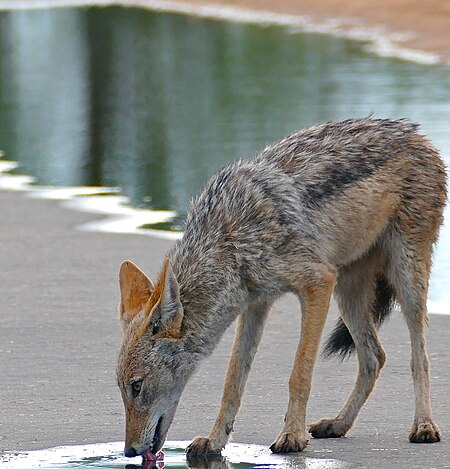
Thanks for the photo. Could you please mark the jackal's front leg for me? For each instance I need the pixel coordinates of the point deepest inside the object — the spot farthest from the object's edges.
(315, 299)
(249, 330)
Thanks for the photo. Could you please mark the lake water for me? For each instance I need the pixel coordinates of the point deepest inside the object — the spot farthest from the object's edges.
(154, 103)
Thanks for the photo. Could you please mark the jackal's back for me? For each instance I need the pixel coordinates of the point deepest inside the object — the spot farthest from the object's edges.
(325, 193)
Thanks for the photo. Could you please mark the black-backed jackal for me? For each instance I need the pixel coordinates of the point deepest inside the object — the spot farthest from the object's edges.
(351, 208)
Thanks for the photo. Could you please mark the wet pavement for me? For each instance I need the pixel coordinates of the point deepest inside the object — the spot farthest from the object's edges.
(59, 340)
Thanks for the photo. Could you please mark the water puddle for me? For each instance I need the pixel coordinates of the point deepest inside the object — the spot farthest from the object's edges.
(109, 456)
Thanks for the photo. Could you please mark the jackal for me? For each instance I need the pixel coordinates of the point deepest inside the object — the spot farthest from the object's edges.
(351, 208)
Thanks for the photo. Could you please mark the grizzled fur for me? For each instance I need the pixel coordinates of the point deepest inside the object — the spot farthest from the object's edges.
(351, 207)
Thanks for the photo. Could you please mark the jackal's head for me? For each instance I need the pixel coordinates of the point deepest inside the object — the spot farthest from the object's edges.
(153, 367)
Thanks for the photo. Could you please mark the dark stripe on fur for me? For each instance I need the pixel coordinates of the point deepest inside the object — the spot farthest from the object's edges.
(340, 177)
(340, 341)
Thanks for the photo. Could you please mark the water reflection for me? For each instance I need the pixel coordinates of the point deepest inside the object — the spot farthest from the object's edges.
(198, 463)
(154, 103)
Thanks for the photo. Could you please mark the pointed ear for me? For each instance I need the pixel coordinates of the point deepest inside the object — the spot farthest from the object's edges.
(135, 290)
(164, 307)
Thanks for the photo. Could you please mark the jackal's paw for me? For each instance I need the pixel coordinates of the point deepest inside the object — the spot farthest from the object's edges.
(204, 447)
(290, 442)
(328, 428)
(425, 432)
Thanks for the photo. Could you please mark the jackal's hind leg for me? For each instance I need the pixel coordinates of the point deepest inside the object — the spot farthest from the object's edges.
(409, 275)
(355, 295)
(249, 328)
(315, 297)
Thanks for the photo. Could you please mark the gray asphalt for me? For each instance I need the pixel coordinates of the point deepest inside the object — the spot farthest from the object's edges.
(59, 338)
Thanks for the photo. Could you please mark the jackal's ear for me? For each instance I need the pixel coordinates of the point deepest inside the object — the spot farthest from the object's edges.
(135, 290)
(165, 311)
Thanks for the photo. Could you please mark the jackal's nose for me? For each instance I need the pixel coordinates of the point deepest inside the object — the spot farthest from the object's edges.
(130, 452)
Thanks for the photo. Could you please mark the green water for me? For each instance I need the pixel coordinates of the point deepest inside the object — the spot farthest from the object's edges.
(154, 103)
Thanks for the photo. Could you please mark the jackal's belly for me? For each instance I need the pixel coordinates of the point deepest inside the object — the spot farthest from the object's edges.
(353, 226)
(348, 252)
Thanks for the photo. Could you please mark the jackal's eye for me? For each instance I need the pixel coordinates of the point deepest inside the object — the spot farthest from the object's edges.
(136, 387)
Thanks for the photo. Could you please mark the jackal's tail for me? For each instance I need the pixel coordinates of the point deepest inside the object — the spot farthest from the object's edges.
(340, 342)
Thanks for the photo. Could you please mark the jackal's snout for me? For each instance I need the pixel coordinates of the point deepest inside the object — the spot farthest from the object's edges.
(146, 436)
(130, 452)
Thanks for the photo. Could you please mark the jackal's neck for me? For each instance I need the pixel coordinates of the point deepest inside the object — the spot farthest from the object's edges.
(210, 292)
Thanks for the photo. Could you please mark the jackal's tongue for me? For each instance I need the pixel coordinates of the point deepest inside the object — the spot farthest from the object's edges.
(149, 456)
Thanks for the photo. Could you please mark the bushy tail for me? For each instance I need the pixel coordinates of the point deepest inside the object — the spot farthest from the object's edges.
(340, 342)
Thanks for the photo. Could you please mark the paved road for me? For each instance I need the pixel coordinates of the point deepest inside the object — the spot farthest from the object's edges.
(59, 338)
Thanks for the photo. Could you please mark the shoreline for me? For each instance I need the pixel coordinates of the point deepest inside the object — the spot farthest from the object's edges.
(410, 24)
(382, 24)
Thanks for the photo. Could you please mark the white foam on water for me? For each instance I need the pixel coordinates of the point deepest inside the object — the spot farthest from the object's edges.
(10, 181)
(381, 42)
(109, 455)
(119, 216)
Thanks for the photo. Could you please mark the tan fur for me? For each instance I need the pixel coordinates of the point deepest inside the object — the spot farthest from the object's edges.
(135, 290)
(134, 424)
(316, 301)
